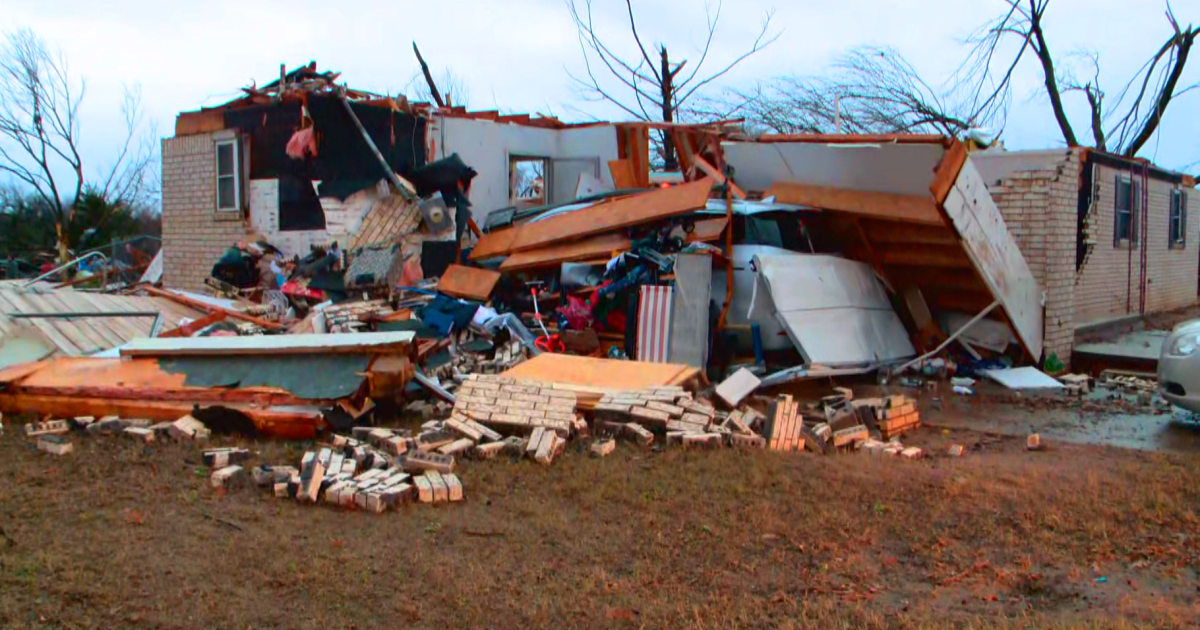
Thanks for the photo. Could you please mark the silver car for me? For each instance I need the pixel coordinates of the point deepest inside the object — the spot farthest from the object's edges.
(1179, 366)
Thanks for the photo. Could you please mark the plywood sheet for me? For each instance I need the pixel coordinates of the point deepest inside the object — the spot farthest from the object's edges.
(891, 206)
(995, 255)
(585, 249)
(471, 283)
(607, 216)
(601, 246)
(599, 374)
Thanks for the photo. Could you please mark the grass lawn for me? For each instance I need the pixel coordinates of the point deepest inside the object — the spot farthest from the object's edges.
(118, 534)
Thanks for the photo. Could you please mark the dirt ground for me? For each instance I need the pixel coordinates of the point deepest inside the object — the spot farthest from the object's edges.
(119, 534)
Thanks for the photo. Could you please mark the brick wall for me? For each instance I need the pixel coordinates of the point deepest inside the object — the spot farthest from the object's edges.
(1106, 285)
(194, 235)
(1039, 206)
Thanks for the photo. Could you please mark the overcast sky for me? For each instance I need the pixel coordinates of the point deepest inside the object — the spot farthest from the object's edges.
(515, 55)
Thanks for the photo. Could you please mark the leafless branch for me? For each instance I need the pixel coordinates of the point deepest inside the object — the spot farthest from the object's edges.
(640, 86)
(39, 133)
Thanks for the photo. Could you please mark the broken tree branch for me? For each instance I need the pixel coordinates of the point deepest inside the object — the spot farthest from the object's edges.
(433, 90)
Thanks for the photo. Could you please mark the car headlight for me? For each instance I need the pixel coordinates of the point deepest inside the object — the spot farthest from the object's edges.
(1185, 345)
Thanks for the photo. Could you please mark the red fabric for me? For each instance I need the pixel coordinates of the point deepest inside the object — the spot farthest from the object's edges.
(578, 313)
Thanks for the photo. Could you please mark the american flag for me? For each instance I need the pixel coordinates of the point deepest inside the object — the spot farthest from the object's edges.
(654, 324)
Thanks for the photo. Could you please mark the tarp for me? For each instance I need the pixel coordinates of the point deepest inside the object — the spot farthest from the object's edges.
(834, 310)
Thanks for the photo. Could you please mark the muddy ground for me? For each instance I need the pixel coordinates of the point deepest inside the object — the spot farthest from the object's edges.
(119, 534)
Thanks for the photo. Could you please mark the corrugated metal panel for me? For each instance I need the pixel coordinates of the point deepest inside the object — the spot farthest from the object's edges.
(83, 335)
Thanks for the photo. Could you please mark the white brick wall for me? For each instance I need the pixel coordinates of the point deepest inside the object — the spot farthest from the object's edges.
(1108, 282)
(1041, 209)
(194, 235)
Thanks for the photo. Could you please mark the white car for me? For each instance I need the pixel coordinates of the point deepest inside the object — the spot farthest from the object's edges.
(1179, 366)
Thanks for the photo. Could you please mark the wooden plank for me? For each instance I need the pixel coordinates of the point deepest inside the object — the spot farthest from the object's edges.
(640, 155)
(622, 212)
(890, 206)
(889, 232)
(470, 283)
(597, 246)
(720, 178)
(925, 256)
(947, 171)
(494, 243)
(209, 308)
(288, 423)
(622, 174)
(928, 278)
(963, 301)
(190, 328)
(333, 343)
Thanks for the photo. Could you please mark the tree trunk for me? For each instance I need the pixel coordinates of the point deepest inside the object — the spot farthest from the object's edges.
(1051, 80)
(64, 247)
(668, 112)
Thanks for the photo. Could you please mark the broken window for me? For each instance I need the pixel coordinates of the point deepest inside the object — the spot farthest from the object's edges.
(1177, 221)
(527, 181)
(228, 182)
(1126, 212)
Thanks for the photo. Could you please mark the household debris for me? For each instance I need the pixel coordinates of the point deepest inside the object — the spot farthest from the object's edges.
(54, 444)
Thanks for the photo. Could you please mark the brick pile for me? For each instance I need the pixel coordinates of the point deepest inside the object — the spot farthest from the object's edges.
(515, 407)
(891, 416)
(638, 415)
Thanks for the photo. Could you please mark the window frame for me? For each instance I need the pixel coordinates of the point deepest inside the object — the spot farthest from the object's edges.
(1177, 220)
(1133, 209)
(236, 175)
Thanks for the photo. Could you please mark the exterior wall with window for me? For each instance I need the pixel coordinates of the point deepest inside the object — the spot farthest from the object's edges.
(490, 148)
(1109, 283)
(201, 212)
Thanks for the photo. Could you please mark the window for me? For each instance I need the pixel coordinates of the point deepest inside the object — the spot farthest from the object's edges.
(1177, 222)
(527, 181)
(1127, 204)
(229, 185)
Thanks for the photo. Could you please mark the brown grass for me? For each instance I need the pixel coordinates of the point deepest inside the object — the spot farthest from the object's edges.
(117, 535)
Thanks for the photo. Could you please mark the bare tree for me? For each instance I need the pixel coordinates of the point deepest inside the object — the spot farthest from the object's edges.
(869, 90)
(1131, 120)
(649, 86)
(40, 133)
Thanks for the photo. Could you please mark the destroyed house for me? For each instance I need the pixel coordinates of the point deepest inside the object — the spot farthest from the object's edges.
(242, 170)
(914, 210)
(1108, 238)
